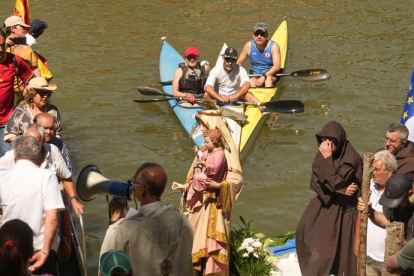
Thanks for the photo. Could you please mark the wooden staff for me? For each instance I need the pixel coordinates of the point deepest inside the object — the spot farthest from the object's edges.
(393, 243)
(365, 191)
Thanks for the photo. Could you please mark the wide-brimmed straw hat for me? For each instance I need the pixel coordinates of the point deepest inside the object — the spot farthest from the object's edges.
(39, 83)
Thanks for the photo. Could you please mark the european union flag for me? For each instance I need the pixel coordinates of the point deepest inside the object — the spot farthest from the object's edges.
(407, 117)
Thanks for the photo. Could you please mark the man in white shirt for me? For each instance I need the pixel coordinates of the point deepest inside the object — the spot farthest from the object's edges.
(49, 158)
(384, 165)
(32, 195)
(230, 81)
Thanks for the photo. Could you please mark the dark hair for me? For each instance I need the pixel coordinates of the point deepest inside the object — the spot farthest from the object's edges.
(154, 183)
(401, 128)
(119, 271)
(8, 30)
(2, 33)
(16, 247)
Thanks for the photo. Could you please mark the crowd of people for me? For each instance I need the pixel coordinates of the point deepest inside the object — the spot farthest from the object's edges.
(36, 187)
(328, 232)
(158, 239)
(36, 171)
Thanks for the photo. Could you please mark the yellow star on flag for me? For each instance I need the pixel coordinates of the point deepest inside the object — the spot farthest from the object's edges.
(405, 115)
(410, 100)
(411, 86)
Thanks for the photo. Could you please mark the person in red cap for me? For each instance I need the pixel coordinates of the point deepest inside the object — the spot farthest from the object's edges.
(190, 77)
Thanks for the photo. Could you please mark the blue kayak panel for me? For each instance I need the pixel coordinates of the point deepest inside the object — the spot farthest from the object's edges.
(169, 60)
(289, 247)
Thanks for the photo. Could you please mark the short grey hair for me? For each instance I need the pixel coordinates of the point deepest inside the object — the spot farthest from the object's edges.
(27, 147)
(36, 128)
(401, 128)
(388, 159)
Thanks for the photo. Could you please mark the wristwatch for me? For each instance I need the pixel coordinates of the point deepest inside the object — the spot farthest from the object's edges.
(74, 197)
(264, 75)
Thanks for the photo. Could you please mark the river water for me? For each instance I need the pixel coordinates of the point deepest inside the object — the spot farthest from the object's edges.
(100, 51)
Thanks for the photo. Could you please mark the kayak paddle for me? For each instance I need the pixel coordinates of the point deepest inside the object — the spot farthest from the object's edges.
(305, 75)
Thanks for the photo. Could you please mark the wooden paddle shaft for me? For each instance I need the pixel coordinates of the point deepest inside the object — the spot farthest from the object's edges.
(365, 191)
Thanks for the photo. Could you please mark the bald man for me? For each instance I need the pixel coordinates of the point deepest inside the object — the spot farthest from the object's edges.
(47, 121)
(159, 238)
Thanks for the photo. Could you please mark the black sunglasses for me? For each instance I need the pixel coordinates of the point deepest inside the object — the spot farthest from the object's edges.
(262, 34)
(44, 93)
(229, 59)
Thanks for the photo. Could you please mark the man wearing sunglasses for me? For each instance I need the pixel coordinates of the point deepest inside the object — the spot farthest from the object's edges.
(264, 57)
(396, 141)
(158, 238)
(230, 81)
(190, 77)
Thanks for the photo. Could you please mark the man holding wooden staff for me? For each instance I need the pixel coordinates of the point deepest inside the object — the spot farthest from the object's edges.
(396, 204)
(384, 166)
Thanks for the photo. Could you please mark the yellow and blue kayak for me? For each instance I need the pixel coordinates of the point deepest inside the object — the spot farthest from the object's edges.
(243, 134)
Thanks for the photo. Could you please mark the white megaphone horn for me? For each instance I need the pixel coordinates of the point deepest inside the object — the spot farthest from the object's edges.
(92, 183)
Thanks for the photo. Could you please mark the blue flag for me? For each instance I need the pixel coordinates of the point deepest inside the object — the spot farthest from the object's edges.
(407, 117)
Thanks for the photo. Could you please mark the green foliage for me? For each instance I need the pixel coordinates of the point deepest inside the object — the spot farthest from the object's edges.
(281, 239)
(242, 265)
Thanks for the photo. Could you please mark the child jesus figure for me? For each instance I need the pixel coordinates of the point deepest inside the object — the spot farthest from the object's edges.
(213, 161)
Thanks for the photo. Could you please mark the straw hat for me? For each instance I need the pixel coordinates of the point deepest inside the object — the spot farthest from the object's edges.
(39, 83)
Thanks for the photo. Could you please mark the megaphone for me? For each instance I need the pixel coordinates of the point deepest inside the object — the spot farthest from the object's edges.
(92, 183)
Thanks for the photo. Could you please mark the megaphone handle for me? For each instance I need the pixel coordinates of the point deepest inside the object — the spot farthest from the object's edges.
(109, 211)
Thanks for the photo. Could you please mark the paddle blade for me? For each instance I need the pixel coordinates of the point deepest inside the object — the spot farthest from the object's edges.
(285, 106)
(148, 91)
(311, 75)
(234, 115)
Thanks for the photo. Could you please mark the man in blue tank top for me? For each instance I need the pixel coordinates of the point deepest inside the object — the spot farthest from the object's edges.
(264, 57)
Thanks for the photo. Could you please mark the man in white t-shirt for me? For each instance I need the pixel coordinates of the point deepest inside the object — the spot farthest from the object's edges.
(49, 158)
(32, 195)
(384, 166)
(230, 81)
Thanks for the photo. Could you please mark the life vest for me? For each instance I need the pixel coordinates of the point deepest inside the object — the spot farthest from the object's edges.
(192, 80)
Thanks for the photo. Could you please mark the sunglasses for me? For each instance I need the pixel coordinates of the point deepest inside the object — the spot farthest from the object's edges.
(191, 57)
(262, 34)
(44, 93)
(229, 59)
(140, 184)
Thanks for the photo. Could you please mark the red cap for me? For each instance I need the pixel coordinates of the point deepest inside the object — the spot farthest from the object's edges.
(191, 51)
